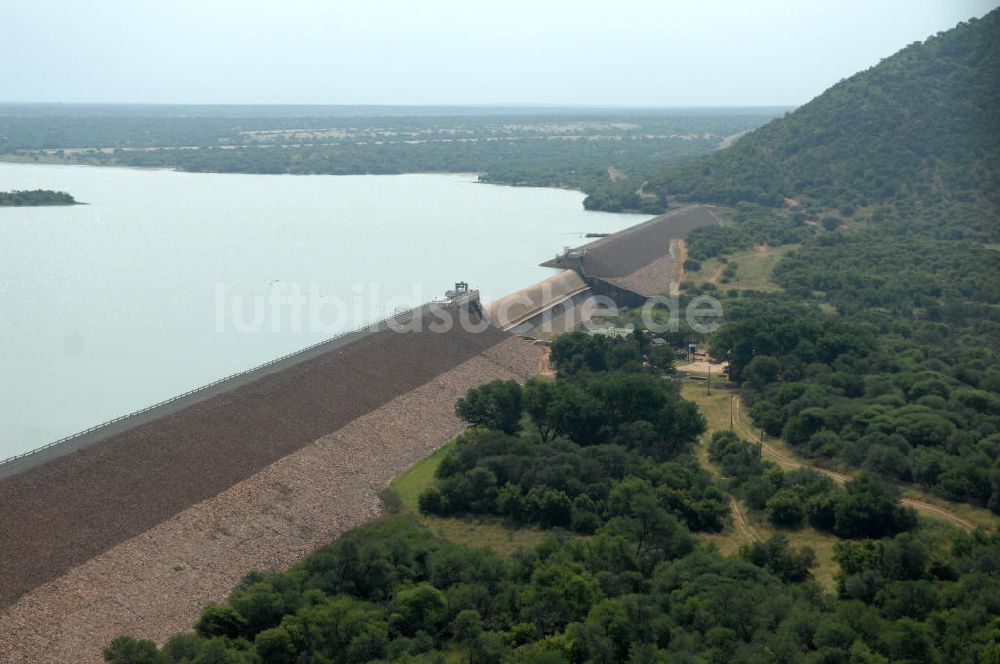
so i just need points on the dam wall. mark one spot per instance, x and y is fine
(620, 295)
(155, 584)
(637, 263)
(627, 268)
(66, 510)
(75, 442)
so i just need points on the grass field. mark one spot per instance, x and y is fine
(505, 540)
(753, 272)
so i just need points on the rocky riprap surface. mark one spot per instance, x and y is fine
(176, 548)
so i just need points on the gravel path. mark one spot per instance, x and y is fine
(788, 462)
(155, 584)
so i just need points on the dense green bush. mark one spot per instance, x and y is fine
(907, 397)
(596, 442)
(395, 591)
(864, 507)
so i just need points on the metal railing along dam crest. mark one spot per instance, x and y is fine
(6, 465)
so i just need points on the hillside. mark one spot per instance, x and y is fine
(922, 124)
(876, 345)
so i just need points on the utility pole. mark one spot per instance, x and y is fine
(708, 383)
(732, 402)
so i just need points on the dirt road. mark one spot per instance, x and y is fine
(789, 462)
(740, 523)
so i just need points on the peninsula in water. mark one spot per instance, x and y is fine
(35, 197)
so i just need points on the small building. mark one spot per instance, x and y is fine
(612, 332)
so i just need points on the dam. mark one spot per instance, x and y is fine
(627, 268)
(135, 526)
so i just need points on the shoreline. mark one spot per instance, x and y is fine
(45, 205)
(19, 455)
(5, 159)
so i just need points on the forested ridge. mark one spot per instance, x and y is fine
(881, 352)
(922, 124)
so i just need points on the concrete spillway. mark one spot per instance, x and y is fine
(519, 309)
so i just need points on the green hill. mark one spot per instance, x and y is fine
(882, 350)
(922, 124)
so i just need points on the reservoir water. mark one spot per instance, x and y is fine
(166, 281)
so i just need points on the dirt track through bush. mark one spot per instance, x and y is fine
(787, 462)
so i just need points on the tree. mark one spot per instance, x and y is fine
(579, 351)
(785, 508)
(537, 397)
(467, 626)
(420, 609)
(558, 594)
(576, 414)
(870, 508)
(656, 534)
(182, 647)
(126, 650)
(217, 651)
(219, 620)
(260, 605)
(496, 405)
(550, 507)
(762, 370)
(775, 555)
(275, 646)
(631, 397)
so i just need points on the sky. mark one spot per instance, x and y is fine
(435, 52)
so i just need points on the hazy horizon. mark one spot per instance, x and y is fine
(633, 54)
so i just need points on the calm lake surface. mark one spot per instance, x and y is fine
(155, 286)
